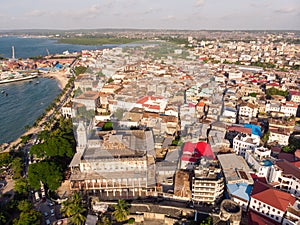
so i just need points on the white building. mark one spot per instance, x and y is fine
(272, 106)
(248, 110)
(259, 161)
(289, 108)
(207, 184)
(119, 166)
(279, 135)
(243, 142)
(292, 216)
(286, 176)
(270, 202)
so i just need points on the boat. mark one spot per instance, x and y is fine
(16, 78)
(37, 82)
(2, 92)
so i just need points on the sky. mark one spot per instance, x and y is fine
(151, 14)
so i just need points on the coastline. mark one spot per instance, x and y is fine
(60, 77)
(62, 81)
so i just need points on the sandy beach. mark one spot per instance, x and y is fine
(61, 77)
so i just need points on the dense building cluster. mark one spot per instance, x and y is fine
(191, 125)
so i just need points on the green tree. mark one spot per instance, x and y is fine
(5, 158)
(253, 94)
(121, 210)
(50, 173)
(207, 221)
(80, 70)
(31, 217)
(110, 80)
(104, 220)
(3, 218)
(25, 206)
(21, 186)
(265, 137)
(108, 126)
(73, 209)
(26, 138)
(17, 167)
(275, 91)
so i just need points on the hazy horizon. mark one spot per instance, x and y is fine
(142, 14)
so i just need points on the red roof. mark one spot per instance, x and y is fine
(194, 151)
(273, 84)
(296, 164)
(257, 219)
(145, 99)
(243, 130)
(273, 197)
(257, 178)
(295, 93)
(288, 168)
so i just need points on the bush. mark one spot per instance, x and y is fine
(131, 221)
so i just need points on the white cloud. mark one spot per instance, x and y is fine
(286, 10)
(35, 13)
(199, 3)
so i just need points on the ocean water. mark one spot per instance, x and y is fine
(24, 102)
(27, 100)
(28, 47)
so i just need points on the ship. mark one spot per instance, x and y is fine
(8, 77)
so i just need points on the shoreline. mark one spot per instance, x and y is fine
(62, 81)
(60, 77)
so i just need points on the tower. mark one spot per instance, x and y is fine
(13, 52)
(81, 137)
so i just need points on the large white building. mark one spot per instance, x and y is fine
(120, 165)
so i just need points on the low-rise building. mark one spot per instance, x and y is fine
(259, 160)
(243, 142)
(286, 176)
(279, 135)
(270, 202)
(289, 108)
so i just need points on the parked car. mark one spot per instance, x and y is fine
(52, 212)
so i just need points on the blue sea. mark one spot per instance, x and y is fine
(25, 100)
(29, 47)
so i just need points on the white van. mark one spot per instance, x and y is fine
(37, 197)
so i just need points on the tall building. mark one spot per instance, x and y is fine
(207, 183)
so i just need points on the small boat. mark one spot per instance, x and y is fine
(2, 92)
(37, 82)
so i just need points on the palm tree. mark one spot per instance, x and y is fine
(74, 210)
(121, 210)
(78, 218)
(104, 221)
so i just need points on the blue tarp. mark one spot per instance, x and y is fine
(58, 66)
(241, 190)
(256, 130)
